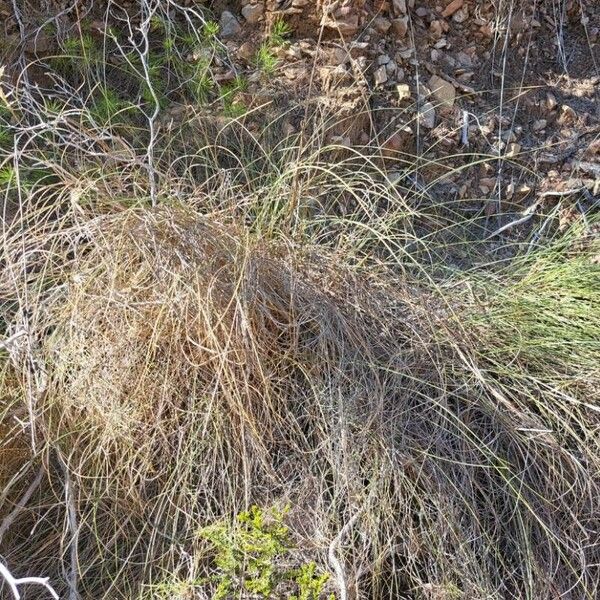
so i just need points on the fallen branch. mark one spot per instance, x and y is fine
(14, 584)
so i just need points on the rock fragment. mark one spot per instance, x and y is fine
(452, 8)
(403, 91)
(253, 13)
(229, 26)
(399, 7)
(380, 76)
(400, 27)
(442, 90)
(382, 25)
(427, 115)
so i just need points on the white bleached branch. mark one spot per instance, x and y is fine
(14, 583)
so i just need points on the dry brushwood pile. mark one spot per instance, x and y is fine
(300, 300)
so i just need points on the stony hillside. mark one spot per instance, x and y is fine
(454, 81)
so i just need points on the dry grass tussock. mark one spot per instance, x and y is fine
(192, 368)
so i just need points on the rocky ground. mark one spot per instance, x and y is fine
(461, 79)
(511, 91)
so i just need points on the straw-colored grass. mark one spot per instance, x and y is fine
(194, 368)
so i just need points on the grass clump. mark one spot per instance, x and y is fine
(210, 31)
(80, 55)
(552, 307)
(108, 108)
(266, 58)
(252, 363)
(279, 32)
(200, 83)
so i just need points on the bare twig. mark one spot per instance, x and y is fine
(523, 219)
(465, 129)
(538, 234)
(9, 340)
(144, 54)
(74, 531)
(557, 193)
(335, 564)
(8, 521)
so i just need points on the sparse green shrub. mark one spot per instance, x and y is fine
(53, 106)
(108, 107)
(210, 31)
(7, 176)
(250, 557)
(232, 107)
(201, 83)
(157, 84)
(266, 60)
(80, 53)
(310, 583)
(173, 588)
(5, 136)
(168, 45)
(245, 554)
(25, 179)
(157, 23)
(280, 30)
